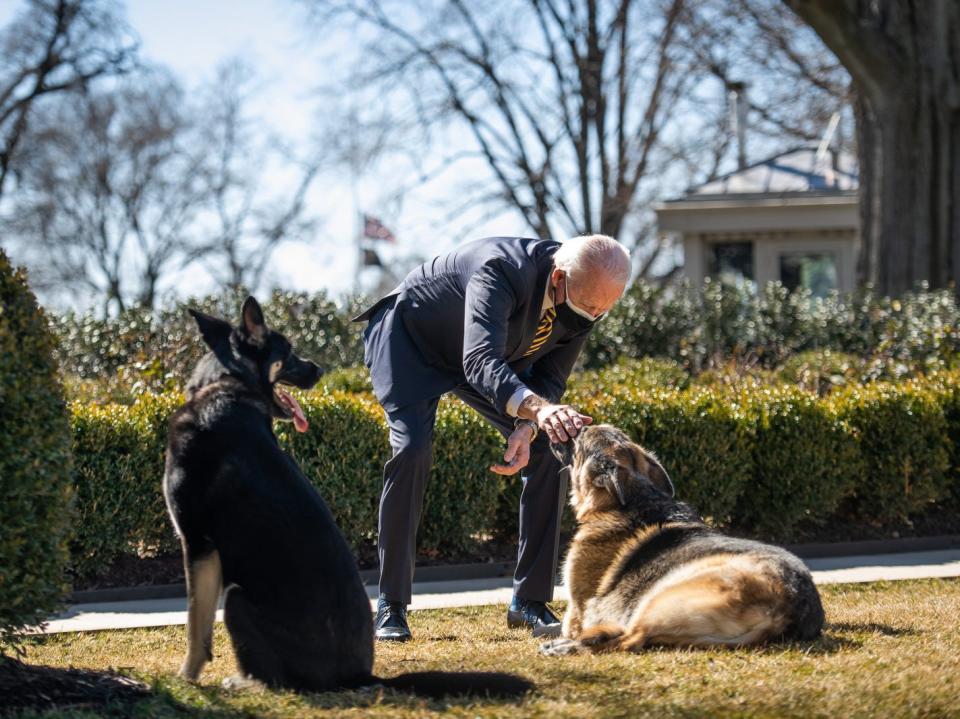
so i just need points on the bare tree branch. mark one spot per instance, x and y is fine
(52, 47)
(574, 105)
(109, 191)
(249, 226)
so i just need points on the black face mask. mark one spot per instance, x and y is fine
(569, 317)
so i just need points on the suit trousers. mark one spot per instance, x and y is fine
(404, 483)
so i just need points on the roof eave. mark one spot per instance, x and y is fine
(764, 199)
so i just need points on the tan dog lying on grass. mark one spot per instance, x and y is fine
(644, 569)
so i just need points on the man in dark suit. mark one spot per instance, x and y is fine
(499, 322)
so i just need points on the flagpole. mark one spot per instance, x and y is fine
(358, 235)
(355, 200)
(357, 231)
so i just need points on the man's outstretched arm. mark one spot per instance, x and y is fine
(490, 300)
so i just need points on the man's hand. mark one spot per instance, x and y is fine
(518, 452)
(561, 422)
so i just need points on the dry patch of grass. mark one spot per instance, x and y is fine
(890, 649)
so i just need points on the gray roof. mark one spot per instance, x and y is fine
(794, 171)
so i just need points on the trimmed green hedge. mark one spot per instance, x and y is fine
(698, 327)
(947, 387)
(461, 497)
(715, 323)
(645, 373)
(346, 472)
(118, 468)
(762, 459)
(805, 461)
(904, 443)
(34, 462)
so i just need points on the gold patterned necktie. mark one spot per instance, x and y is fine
(543, 331)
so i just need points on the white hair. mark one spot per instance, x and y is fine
(589, 254)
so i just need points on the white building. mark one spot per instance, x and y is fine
(792, 217)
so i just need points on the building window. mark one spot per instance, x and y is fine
(815, 271)
(731, 261)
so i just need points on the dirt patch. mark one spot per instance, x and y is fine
(24, 686)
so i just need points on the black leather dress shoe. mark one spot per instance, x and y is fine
(391, 622)
(533, 615)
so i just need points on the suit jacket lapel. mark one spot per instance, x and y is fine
(544, 266)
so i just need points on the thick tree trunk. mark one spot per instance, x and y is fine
(868, 147)
(904, 57)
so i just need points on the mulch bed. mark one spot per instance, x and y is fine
(937, 522)
(130, 571)
(23, 686)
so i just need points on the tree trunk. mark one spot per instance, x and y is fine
(904, 57)
(868, 147)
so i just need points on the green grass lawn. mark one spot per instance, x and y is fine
(889, 649)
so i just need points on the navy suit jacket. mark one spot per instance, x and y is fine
(468, 317)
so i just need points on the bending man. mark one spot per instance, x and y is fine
(499, 322)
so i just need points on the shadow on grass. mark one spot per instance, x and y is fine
(37, 688)
(841, 635)
(391, 697)
(829, 642)
(45, 692)
(217, 702)
(873, 628)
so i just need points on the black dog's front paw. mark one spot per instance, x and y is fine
(560, 648)
(241, 682)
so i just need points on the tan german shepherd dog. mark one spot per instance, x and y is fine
(644, 569)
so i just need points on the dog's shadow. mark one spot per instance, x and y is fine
(872, 628)
(838, 636)
(380, 696)
(217, 700)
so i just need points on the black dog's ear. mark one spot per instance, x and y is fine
(650, 469)
(253, 323)
(213, 329)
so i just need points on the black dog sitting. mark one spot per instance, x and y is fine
(252, 525)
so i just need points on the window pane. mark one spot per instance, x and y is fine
(731, 261)
(816, 272)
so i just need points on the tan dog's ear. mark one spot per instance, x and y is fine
(613, 479)
(650, 469)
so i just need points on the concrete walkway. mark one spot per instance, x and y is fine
(472, 592)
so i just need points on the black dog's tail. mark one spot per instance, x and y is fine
(437, 685)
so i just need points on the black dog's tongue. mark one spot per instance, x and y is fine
(300, 422)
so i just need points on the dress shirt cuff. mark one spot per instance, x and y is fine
(516, 399)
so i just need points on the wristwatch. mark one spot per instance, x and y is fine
(530, 423)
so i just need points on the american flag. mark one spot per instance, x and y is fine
(374, 229)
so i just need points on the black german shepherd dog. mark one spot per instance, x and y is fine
(251, 525)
